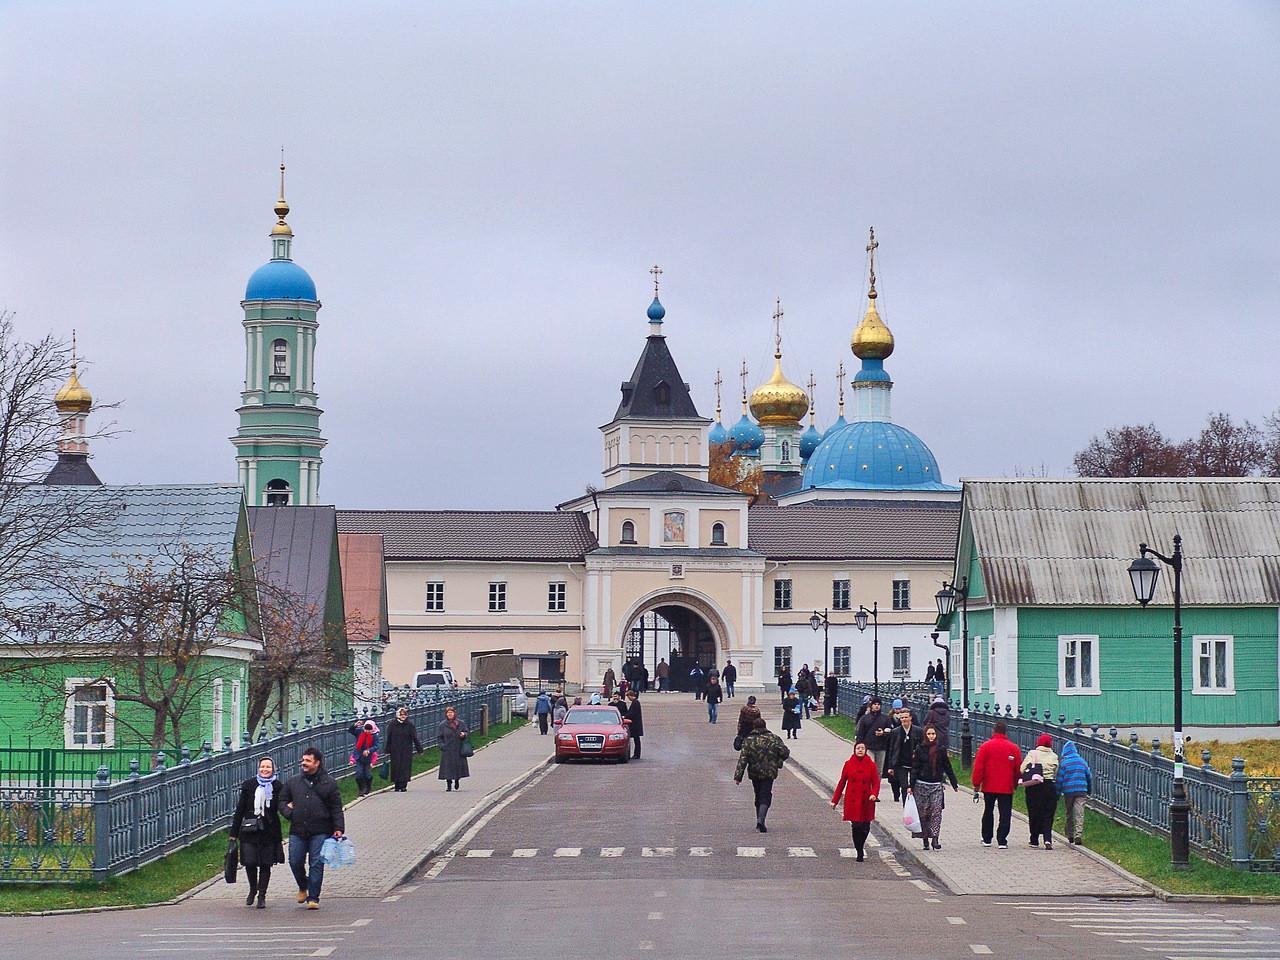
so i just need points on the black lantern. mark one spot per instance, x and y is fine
(860, 620)
(946, 600)
(1143, 575)
(815, 621)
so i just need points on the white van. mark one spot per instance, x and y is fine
(433, 678)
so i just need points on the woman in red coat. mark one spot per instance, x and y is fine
(860, 784)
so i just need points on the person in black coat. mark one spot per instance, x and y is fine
(900, 755)
(831, 695)
(791, 711)
(784, 683)
(730, 676)
(453, 765)
(402, 744)
(312, 803)
(256, 825)
(636, 715)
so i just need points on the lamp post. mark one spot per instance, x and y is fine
(860, 620)
(946, 600)
(822, 621)
(1143, 575)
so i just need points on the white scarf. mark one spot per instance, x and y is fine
(260, 801)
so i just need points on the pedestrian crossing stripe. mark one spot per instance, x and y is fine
(481, 854)
(800, 852)
(657, 851)
(568, 852)
(751, 851)
(527, 853)
(611, 851)
(700, 851)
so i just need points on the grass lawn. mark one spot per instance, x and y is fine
(1140, 853)
(179, 872)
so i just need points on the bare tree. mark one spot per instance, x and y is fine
(1225, 449)
(1131, 451)
(1271, 442)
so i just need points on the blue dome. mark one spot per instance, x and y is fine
(747, 437)
(280, 280)
(873, 455)
(656, 311)
(718, 433)
(809, 441)
(840, 422)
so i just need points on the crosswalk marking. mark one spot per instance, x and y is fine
(956, 921)
(699, 851)
(525, 852)
(980, 948)
(480, 854)
(800, 852)
(655, 915)
(843, 853)
(611, 851)
(568, 852)
(657, 851)
(751, 851)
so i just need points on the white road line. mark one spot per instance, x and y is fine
(568, 852)
(524, 852)
(980, 948)
(323, 952)
(800, 852)
(655, 915)
(611, 851)
(644, 945)
(872, 841)
(932, 900)
(922, 885)
(362, 922)
(478, 854)
(391, 899)
(751, 851)
(956, 921)
(657, 851)
(848, 853)
(700, 851)
(260, 937)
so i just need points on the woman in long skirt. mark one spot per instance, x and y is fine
(929, 769)
(453, 765)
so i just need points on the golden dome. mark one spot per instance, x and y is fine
(73, 397)
(281, 209)
(779, 402)
(872, 340)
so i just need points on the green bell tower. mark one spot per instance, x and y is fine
(278, 444)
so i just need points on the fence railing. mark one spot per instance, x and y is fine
(1235, 818)
(69, 831)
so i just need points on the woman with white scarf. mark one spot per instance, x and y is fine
(256, 825)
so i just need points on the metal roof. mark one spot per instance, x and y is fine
(641, 396)
(293, 550)
(364, 584)
(871, 530)
(1070, 542)
(548, 535)
(670, 482)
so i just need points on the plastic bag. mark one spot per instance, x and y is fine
(338, 853)
(911, 814)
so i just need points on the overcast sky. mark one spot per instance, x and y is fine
(1077, 208)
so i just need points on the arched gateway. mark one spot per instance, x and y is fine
(682, 627)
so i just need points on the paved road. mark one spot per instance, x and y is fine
(504, 891)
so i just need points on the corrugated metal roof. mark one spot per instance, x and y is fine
(1070, 542)
(876, 530)
(549, 535)
(364, 584)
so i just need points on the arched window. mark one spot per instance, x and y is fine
(628, 532)
(786, 452)
(662, 393)
(717, 535)
(278, 493)
(280, 359)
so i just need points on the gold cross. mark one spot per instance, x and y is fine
(871, 253)
(743, 374)
(657, 272)
(719, 380)
(777, 328)
(840, 380)
(812, 383)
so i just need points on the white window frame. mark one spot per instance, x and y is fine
(783, 593)
(69, 716)
(955, 664)
(432, 659)
(497, 596)
(628, 526)
(1213, 638)
(906, 589)
(991, 663)
(217, 714)
(718, 527)
(977, 666)
(557, 594)
(1064, 642)
(436, 587)
(905, 671)
(777, 659)
(839, 602)
(235, 713)
(837, 653)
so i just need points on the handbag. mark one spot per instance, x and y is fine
(466, 749)
(231, 862)
(737, 742)
(252, 825)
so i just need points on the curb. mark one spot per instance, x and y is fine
(442, 842)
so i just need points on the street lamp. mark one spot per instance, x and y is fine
(860, 621)
(1144, 573)
(817, 621)
(946, 600)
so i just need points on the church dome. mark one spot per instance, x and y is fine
(809, 441)
(872, 340)
(871, 455)
(778, 401)
(718, 434)
(746, 436)
(280, 280)
(656, 311)
(74, 397)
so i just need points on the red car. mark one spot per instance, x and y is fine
(593, 732)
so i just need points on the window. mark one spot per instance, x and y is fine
(497, 596)
(781, 660)
(782, 595)
(902, 594)
(217, 714)
(786, 452)
(991, 663)
(435, 596)
(628, 532)
(662, 393)
(433, 660)
(977, 664)
(1078, 665)
(957, 665)
(673, 527)
(235, 712)
(841, 658)
(1215, 666)
(901, 663)
(555, 597)
(840, 594)
(278, 494)
(717, 535)
(89, 721)
(280, 359)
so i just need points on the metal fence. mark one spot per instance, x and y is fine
(68, 831)
(1235, 818)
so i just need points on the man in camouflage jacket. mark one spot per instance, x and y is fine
(761, 759)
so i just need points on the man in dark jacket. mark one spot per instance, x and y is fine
(784, 683)
(831, 695)
(873, 730)
(636, 715)
(699, 681)
(729, 677)
(900, 753)
(747, 718)
(761, 759)
(313, 806)
(940, 716)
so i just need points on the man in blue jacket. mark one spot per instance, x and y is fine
(1075, 780)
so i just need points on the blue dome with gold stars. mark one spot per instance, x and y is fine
(873, 455)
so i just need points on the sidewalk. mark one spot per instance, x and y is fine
(395, 832)
(963, 864)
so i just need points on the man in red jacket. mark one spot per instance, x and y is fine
(995, 774)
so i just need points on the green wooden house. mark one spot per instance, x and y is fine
(57, 689)
(1051, 616)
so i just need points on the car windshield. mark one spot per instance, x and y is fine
(604, 715)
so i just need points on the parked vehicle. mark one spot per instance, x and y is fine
(514, 692)
(593, 732)
(434, 678)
